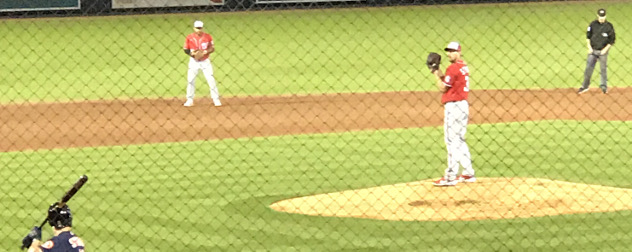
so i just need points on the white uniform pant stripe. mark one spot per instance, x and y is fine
(207, 69)
(455, 127)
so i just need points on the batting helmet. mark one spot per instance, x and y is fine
(59, 217)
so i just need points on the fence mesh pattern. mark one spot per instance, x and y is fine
(330, 131)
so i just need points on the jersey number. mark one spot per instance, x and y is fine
(467, 84)
(466, 70)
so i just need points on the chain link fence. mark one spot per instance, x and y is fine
(330, 131)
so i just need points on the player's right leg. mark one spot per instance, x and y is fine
(590, 68)
(191, 76)
(450, 174)
(450, 135)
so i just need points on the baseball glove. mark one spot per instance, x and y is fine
(433, 61)
(198, 54)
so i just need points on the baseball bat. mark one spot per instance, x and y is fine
(68, 195)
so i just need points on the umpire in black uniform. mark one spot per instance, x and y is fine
(600, 37)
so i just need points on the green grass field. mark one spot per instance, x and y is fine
(509, 46)
(214, 195)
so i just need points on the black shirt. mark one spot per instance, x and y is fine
(600, 34)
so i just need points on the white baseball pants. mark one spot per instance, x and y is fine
(454, 128)
(207, 69)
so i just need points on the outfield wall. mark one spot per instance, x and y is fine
(15, 9)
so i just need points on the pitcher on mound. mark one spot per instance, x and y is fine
(455, 86)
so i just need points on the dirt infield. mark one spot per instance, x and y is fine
(125, 122)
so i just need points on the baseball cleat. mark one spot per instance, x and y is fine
(217, 103)
(188, 103)
(604, 89)
(467, 178)
(582, 90)
(445, 182)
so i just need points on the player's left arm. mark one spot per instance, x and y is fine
(611, 39)
(605, 49)
(211, 48)
(588, 36)
(613, 36)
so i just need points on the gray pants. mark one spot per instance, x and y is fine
(590, 67)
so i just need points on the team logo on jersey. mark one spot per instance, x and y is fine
(76, 242)
(204, 45)
(48, 245)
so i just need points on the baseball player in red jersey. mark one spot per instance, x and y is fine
(455, 85)
(199, 45)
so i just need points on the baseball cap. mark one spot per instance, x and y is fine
(601, 12)
(198, 24)
(453, 46)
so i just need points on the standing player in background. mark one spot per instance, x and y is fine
(60, 218)
(199, 45)
(600, 37)
(455, 86)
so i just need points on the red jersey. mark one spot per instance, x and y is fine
(195, 42)
(457, 79)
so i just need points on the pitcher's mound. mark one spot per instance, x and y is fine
(488, 198)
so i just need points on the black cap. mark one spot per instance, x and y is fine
(601, 12)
